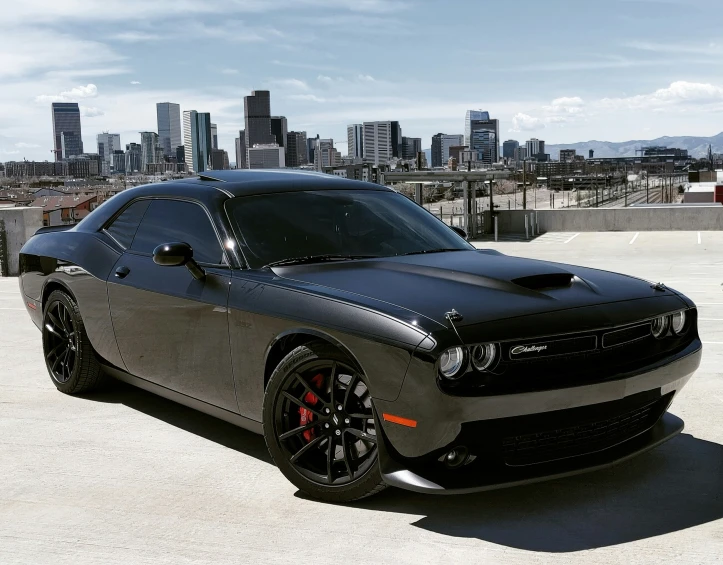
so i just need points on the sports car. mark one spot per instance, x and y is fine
(370, 343)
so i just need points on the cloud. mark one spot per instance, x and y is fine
(525, 122)
(23, 145)
(325, 79)
(72, 95)
(290, 83)
(135, 37)
(229, 71)
(135, 82)
(678, 93)
(366, 78)
(308, 97)
(91, 112)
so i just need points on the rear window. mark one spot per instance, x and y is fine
(124, 227)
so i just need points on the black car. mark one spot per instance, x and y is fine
(367, 341)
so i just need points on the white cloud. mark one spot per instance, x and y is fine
(135, 82)
(23, 145)
(525, 122)
(135, 37)
(290, 83)
(72, 95)
(678, 93)
(91, 112)
(229, 71)
(325, 79)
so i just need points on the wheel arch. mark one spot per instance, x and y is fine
(52, 285)
(290, 339)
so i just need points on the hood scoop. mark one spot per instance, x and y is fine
(548, 281)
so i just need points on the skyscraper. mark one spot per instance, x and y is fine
(71, 145)
(535, 148)
(410, 147)
(355, 139)
(323, 153)
(257, 118)
(266, 156)
(382, 142)
(108, 143)
(310, 145)
(168, 116)
(66, 118)
(279, 129)
(241, 150)
(486, 144)
(296, 149)
(214, 136)
(197, 140)
(149, 144)
(509, 148)
(133, 158)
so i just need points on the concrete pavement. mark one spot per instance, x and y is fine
(127, 477)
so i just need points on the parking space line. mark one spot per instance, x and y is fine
(573, 237)
(710, 319)
(712, 342)
(698, 238)
(634, 238)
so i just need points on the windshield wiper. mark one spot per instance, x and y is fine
(317, 259)
(440, 250)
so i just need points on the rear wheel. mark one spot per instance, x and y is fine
(69, 356)
(319, 425)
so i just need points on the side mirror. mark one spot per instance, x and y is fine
(460, 231)
(175, 255)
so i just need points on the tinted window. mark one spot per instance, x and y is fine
(124, 226)
(168, 221)
(347, 222)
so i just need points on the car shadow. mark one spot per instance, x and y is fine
(677, 486)
(180, 416)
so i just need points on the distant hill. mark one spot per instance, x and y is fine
(696, 146)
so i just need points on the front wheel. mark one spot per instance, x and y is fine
(319, 425)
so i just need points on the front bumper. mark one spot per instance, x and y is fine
(410, 457)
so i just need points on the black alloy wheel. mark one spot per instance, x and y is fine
(319, 425)
(69, 356)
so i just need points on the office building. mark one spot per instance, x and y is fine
(535, 148)
(180, 154)
(219, 160)
(71, 145)
(509, 147)
(119, 161)
(197, 141)
(567, 155)
(149, 145)
(324, 155)
(279, 129)
(257, 119)
(355, 141)
(108, 144)
(441, 142)
(168, 116)
(481, 134)
(382, 142)
(266, 156)
(410, 147)
(66, 118)
(214, 136)
(240, 143)
(310, 145)
(296, 149)
(133, 158)
(520, 153)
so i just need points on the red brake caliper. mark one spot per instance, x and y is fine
(306, 416)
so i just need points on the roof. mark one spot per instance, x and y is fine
(50, 203)
(246, 182)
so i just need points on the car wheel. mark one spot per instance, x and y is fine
(319, 424)
(69, 356)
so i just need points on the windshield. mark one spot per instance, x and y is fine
(355, 223)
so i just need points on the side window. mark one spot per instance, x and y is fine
(124, 227)
(171, 220)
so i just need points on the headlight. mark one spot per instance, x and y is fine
(677, 322)
(451, 362)
(483, 356)
(660, 326)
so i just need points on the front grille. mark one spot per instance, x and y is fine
(627, 335)
(561, 443)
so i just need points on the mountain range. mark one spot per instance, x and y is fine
(697, 146)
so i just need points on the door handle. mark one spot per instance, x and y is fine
(122, 272)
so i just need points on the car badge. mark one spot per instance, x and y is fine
(527, 349)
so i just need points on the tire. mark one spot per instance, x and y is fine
(69, 356)
(331, 455)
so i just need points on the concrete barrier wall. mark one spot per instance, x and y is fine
(17, 225)
(683, 218)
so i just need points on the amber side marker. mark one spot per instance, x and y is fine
(399, 420)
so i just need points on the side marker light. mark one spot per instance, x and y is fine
(399, 420)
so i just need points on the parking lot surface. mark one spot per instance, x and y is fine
(124, 476)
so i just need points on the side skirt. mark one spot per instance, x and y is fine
(210, 409)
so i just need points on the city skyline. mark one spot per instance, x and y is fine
(535, 83)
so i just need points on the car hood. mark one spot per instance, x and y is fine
(481, 286)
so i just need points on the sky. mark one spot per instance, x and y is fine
(560, 70)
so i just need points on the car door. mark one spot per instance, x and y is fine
(171, 328)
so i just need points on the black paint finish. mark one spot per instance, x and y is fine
(212, 341)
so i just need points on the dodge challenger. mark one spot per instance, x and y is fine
(368, 342)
